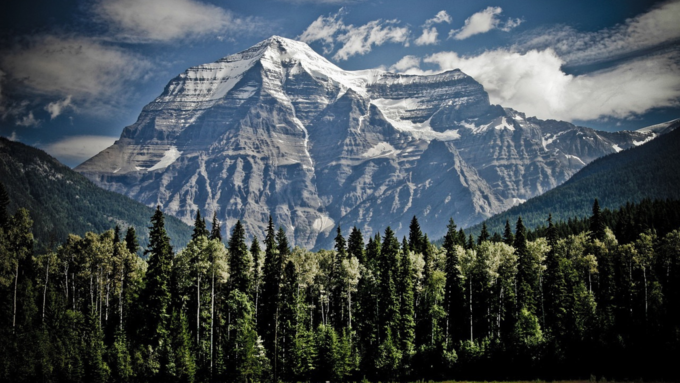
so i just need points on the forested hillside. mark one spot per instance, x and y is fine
(62, 201)
(648, 171)
(569, 306)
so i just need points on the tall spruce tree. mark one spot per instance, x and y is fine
(355, 245)
(453, 296)
(240, 262)
(415, 236)
(216, 229)
(508, 237)
(389, 272)
(4, 204)
(131, 240)
(527, 276)
(484, 235)
(156, 297)
(405, 290)
(597, 226)
(199, 226)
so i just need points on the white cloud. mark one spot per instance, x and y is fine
(89, 71)
(482, 22)
(406, 63)
(354, 40)
(428, 37)
(167, 20)
(657, 27)
(55, 108)
(28, 120)
(533, 82)
(77, 149)
(440, 17)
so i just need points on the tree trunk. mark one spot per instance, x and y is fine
(500, 308)
(212, 317)
(120, 297)
(471, 338)
(198, 306)
(47, 278)
(644, 274)
(16, 279)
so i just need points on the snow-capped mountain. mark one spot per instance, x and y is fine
(278, 129)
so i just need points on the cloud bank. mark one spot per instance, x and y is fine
(167, 20)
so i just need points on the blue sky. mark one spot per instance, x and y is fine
(74, 73)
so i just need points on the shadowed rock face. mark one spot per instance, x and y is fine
(279, 130)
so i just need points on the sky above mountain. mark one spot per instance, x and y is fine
(74, 73)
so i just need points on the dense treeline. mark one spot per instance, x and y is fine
(494, 307)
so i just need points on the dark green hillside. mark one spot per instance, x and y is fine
(62, 201)
(648, 171)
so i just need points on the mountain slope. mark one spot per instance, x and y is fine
(649, 171)
(278, 129)
(62, 201)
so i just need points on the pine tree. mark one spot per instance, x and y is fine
(484, 235)
(131, 240)
(406, 292)
(240, 261)
(508, 237)
(216, 229)
(156, 295)
(255, 253)
(389, 299)
(355, 245)
(556, 288)
(415, 236)
(4, 204)
(597, 227)
(453, 299)
(199, 226)
(527, 277)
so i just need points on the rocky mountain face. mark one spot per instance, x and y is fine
(277, 129)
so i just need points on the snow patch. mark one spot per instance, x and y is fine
(171, 155)
(617, 148)
(575, 158)
(322, 223)
(396, 112)
(379, 150)
(646, 140)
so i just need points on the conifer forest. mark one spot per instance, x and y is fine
(603, 302)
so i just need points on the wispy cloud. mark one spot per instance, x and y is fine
(657, 27)
(57, 107)
(167, 20)
(75, 69)
(74, 150)
(482, 22)
(430, 33)
(353, 40)
(28, 120)
(533, 82)
(406, 63)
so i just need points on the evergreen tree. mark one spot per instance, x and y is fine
(597, 227)
(508, 238)
(355, 245)
(453, 300)
(270, 287)
(527, 277)
(4, 204)
(255, 252)
(484, 235)
(199, 226)
(240, 261)
(406, 316)
(389, 271)
(415, 236)
(216, 230)
(156, 295)
(131, 240)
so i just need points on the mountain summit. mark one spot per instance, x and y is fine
(279, 130)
